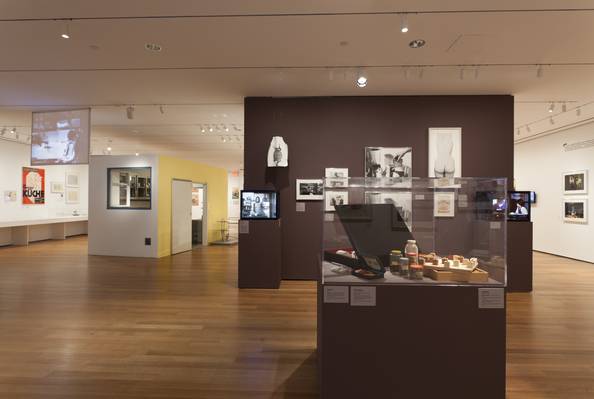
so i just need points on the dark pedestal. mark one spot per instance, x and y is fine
(519, 256)
(421, 342)
(260, 253)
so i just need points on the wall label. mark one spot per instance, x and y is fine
(336, 294)
(244, 227)
(300, 206)
(491, 298)
(363, 296)
(419, 197)
(328, 217)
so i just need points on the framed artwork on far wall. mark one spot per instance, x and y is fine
(575, 210)
(72, 179)
(57, 187)
(333, 198)
(310, 189)
(72, 195)
(444, 204)
(388, 162)
(575, 182)
(337, 177)
(445, 152)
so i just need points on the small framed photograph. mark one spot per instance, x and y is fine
(310, 190)
(444, 204)
(72, 179)
(337, 177)
(334, 198)
(575, 210)
(575, 182)
(72, 195)
(57, 187)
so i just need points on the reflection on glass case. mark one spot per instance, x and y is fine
(129, 188)
(444, 231)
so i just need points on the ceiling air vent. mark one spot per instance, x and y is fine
(579, 145)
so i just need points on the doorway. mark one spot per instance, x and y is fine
(199, 214)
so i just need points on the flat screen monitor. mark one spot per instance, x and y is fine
(60, 137)
(518, 208)
(261, 204)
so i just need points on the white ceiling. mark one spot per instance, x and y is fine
(209, 64)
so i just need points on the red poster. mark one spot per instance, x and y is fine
(33, 186)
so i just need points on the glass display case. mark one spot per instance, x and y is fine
(444, 231)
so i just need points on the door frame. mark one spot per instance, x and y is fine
(171, 216)
(204, 212)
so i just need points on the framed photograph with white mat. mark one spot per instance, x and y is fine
(575, 182)
(444, 204)
(72, 179)
(310, 189)
(72, 195)
(57, 187)
(575, 210)
(445, 152)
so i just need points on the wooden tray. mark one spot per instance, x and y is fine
(438, 275)
(476, 276)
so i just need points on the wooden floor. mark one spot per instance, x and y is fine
(73, 326)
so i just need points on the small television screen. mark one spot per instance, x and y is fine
(259, 205)
(518, 206)
(60, 137)
(490, 205)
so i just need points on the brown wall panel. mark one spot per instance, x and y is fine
(333, 131)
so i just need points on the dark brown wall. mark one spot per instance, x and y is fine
(333, 131)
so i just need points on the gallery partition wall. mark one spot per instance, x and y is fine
(324, 132)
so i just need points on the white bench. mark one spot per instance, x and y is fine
(22, 232)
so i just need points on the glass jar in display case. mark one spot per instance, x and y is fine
(453, 228)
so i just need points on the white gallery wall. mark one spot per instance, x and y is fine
(121, 232)
(539, 166)
(234, 182)
(13, 157)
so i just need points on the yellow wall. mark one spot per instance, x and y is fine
(216, 181)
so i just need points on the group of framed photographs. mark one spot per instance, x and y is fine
(328, 191)
(575, 209)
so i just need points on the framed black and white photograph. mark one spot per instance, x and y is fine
(444, 204)
(337, 177)
(310, 190)
(334, 198)
(445, 152)
(57, 187)
(575, 210)
(575, 182)
(388, 162)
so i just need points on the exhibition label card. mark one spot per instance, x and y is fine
(362, 296)
(419, 197)
(300, 206)
(495, 225)
(328, 217)
(244, 227)
(491, 298)
(336, 294)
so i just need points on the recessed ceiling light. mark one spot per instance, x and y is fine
(154, 47)
(417, 43)
(344, 43)
(94, 47)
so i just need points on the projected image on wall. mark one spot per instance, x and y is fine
(60, 137)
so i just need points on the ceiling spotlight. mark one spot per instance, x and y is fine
(552, 120)
(226, 128)
(210, 129)
(136, 154)
(108, 149)
(162, 109)
(476, 73)
(13, 130)
(330, 75)
(65, 31)
(3, 131)
(406, 72)
(421, 73)
(564, 107)
(528, 128)
(237, 138)
(539, 71)
(551, 108)
(224, 139)
(361, 79)
(403, 23)
(130, 112)
(518, 131)
(578, 111)
(461, 73)
(202, 129)
(417, 43)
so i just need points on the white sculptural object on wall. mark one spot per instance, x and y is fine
(278, 153)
